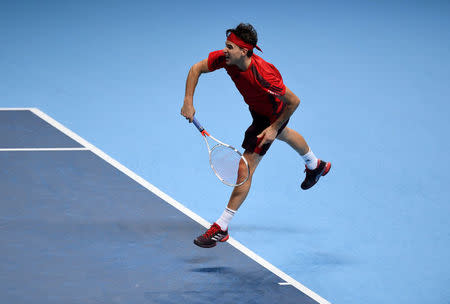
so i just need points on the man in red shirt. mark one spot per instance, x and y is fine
(271, 104)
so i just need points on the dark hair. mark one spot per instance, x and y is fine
(247, 33)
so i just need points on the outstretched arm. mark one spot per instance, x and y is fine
(196, 70)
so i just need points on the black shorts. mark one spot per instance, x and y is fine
(259, 124)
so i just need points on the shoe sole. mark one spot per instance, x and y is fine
(203, 245)
(211, 245)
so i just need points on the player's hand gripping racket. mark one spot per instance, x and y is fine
(225, 160)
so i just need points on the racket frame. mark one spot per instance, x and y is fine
(219, 143)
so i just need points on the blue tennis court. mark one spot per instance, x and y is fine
(77, 227)
(81, 225)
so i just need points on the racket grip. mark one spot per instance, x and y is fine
(198, 125)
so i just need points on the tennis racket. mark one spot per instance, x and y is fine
(225, 160)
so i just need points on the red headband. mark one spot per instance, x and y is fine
(240, 43)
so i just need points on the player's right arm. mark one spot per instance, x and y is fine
(196, 70)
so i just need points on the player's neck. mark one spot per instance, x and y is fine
(244, 63)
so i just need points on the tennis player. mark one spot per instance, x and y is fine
(271, 104)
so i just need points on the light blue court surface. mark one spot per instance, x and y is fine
(373, 79)
(75, 229)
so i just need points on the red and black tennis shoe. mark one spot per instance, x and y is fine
(312, 176)
(211, 237)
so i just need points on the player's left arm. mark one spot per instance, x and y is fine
(291, 102)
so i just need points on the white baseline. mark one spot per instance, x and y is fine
(42, 149)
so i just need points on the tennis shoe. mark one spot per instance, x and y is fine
(313, 176)
(213, 235)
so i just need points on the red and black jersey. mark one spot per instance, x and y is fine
(260, 85)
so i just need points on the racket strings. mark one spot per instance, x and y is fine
(225, 163)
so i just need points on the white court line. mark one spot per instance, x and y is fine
(286, 278)
(15, 109)
(41, 149)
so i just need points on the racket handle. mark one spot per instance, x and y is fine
(198, 125)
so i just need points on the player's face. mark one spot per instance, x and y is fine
(233, 53)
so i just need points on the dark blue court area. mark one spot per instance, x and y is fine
(75, 229)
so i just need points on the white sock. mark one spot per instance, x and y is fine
(310, 160)
(225, 218)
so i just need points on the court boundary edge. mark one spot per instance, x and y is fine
(171, 201)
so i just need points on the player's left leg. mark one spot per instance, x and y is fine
(315, 168)
(295, 140)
